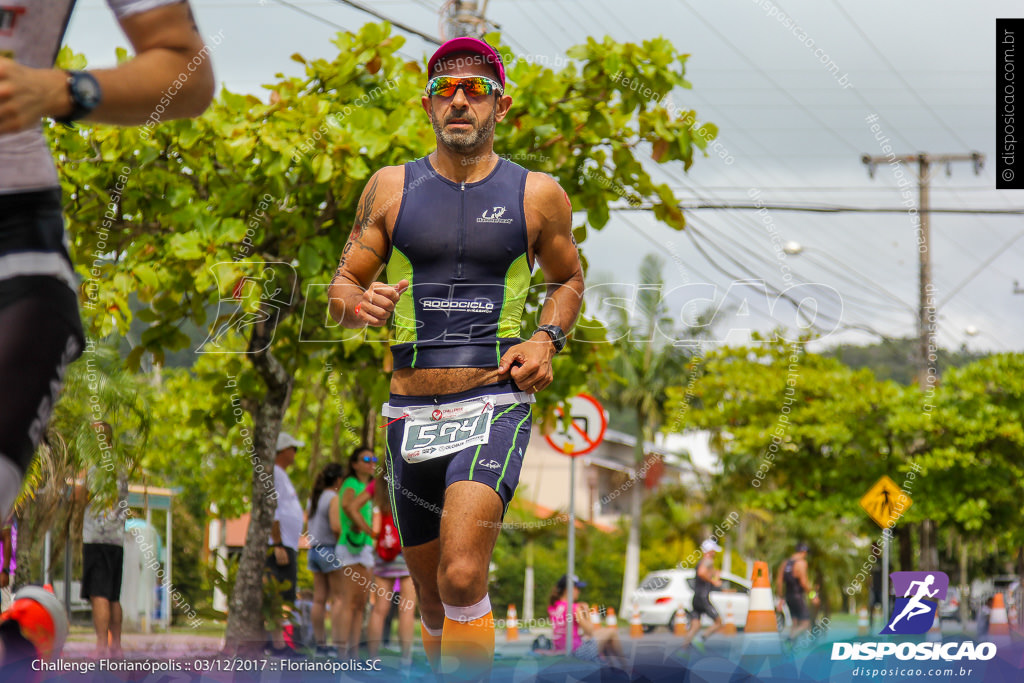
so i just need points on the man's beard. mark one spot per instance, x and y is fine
(460, 142)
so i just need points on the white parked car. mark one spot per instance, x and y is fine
(661, 593)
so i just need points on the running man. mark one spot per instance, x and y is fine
(791, 582)
(914, 606)
(707, 579)
(40, 330)
(459, 232)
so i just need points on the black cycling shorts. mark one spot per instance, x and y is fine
(798, 607)
(40, 329)
(417, 491)
(702, 605)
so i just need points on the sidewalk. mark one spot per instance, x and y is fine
(81, 644)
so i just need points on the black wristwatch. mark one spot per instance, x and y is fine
(86, 95)
(556, 334)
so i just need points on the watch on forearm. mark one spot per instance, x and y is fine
(85, 93)
(556, 334)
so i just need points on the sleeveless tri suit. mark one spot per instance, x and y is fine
(463, 249)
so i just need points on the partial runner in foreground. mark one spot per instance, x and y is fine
(40, 329)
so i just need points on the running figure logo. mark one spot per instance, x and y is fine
(917, 598)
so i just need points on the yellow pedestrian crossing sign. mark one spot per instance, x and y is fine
(885, 502)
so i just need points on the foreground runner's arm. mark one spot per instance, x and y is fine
(166, 42)
(354, 299)
(547, 208)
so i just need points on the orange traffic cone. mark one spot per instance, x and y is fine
(610, 618)
(595, 616)
(862, 622)
(729, 624)
(935, 632)
(512, 624)
(761, 615)
(761, 634)
(636, 627)
(998, 625)
(679, 625)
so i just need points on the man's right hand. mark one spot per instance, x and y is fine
(281, 555)
(378, 302)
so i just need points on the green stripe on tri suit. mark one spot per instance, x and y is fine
(477, 454)
(391, 490)
(515, 437)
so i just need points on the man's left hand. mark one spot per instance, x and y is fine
(529, 363)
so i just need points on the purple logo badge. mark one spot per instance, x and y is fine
(917, 599)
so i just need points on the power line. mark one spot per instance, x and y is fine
(997, 253)
(405, 27)
(311, 15)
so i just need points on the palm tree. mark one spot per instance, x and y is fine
(652, 354)
(96, 387)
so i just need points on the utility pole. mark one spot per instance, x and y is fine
(926, 357)
(464, 18)
(926, 315)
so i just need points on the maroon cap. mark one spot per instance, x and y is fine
(466, 44)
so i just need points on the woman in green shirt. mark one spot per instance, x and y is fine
(355, 546)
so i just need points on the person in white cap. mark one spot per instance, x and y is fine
(287, 527)
(707, 578)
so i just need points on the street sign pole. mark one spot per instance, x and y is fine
(880, 502)
(576, 441)
(886, 534)
(570, 584)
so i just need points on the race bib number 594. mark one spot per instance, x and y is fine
(435, 431)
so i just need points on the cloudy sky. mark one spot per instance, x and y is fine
(789, 129)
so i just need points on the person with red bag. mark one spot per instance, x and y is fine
(392, 582)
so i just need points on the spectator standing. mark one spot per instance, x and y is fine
(392, 582)
(282, 560)
(355, 546)
(324, 562)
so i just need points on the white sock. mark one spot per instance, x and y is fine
(470, 613)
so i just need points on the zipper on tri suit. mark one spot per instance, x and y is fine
(460, 249)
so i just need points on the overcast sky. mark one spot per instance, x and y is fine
(794, 131)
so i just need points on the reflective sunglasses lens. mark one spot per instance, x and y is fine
(442, 86)
(476, 86)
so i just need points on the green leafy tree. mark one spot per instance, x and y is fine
(246, 209)
(800, 438)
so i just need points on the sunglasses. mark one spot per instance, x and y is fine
(473, 86)
(369, 458)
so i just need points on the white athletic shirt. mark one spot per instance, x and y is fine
(31, 32)
(289, 510)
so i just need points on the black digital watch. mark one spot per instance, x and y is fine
(556, 334)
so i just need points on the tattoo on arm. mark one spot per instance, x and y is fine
(364, 217)
(356, 242)
(364, 213)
